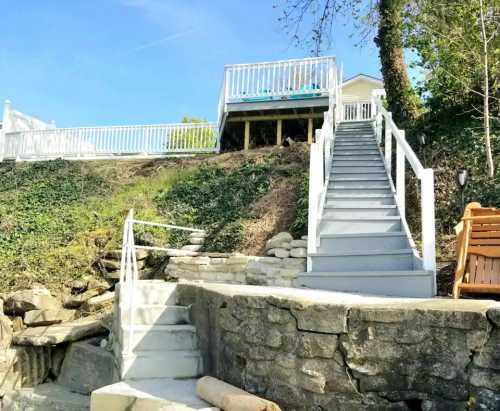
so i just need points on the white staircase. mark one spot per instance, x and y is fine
(155, 338)
(358, 238)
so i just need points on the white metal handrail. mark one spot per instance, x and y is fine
(101, 142)
(358, 110)
(310, 77)
(425, 175)
(129, 273)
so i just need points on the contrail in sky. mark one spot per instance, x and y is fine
(159, 42)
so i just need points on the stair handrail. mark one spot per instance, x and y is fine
(320, 162)
(425, 175)
(129, 273)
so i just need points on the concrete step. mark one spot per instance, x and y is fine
(358, 169)
(162, 364)
(359, 183)
(363, 260)
(353, 212)
(419, 284)
(355, 157)
(354, 151)
(156, 292)
(360, 225)
(160, 337)
(356, 144)
(358, 190)
(157, 314)
(372, 241)
(349, 201)
(150, 394)
(347, 162)
(336, 175)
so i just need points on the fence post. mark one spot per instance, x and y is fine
(388, 142)
(400, 175)
(428, 222)
(7, 126)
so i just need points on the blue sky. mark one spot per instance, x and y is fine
(104, 62)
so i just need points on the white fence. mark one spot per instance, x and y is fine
(302, 78)
(103, 142)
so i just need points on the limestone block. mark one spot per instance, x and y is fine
(75, 301)
(197, 240)
(298, 244)
(99, 302)
(36, 318)
(192, 247)
(87, 367)
(35, 299)
(323, 318)
(298, 252)
(279, 252)
(181, 253)
(117, 254)
(198, 234)
(59, 333)
(9, 376)
(494, 316)
(46, 397)
(276, 315)
(256, 279)
(238, 260)
(281, 240)
(32, 365)
(316, 345)
(5, 332)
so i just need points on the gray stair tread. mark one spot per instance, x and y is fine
(376, 273)
(363, 252)
(162, 327)
(374, 218)
(354, 196)
(360, 178)
(365, 235)
(362, 207)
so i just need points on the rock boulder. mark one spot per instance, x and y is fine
(20, 302)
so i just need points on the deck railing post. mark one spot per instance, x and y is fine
(428, 221)
(400, 176)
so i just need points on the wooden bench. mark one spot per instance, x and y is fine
(478, 251)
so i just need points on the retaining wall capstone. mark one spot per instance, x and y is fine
(312, 350)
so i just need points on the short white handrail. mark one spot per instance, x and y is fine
(425, 175)
(357, 110)
(129, 273)
(299, 77)
(99, 142)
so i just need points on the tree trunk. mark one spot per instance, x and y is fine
(402, 100)
(486, 91)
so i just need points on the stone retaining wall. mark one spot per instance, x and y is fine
(311, 350)
(237, 269)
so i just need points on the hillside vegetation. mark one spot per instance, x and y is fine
(57, 217)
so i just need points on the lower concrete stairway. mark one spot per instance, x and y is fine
(158, 358)
(364, 243)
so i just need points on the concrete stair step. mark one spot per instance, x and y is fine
(343, 175)
(349, 202)
(355, 157)
(356, 144)
(347, 242)
(340, 151)
(162, 364)
(156, 292)
(360, 225)
(152, 394)
(346, 162)
(406, 283)
(359, 184)
(160, 337)
(157, 314)
(358, 190)
(352, 212)
(363, 260)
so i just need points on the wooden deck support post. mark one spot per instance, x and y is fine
(279, 130)
(310, 130)
(246, 144)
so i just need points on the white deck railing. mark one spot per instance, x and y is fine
(301, 78)
(129, 273)
(383, 120)
(108, 142)
(358, 110)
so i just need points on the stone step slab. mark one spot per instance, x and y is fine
(153, 314)
(160, 337)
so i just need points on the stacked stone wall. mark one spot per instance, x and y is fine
(309, 350)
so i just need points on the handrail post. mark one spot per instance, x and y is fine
(388, 142)
(313, 206)
(428, 222)
(400, 176)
